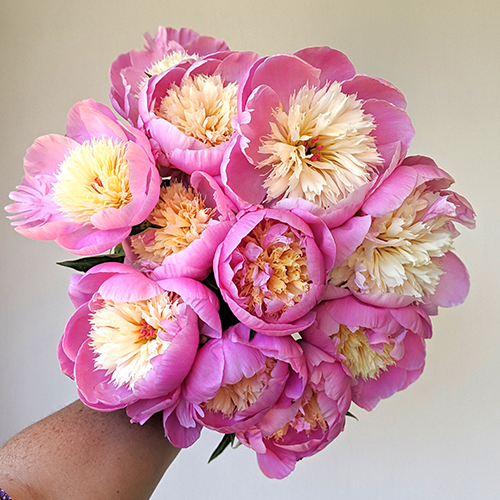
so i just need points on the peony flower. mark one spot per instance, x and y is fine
(87, 189)
(131, 71)
(310, 128)
(187, 110)
(382, 348)
(132, 339)
(235, 380)
(194, 217)
(271, 269)
(285, 435)
(406, 254)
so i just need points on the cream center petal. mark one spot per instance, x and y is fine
(93, 177)
(124, 336)
(239, 396)
(321, 149)
(182, 216)
(164, 64)
(201, 107)
(360, 358)
(399, 254)
(276, 278)
(309, 418)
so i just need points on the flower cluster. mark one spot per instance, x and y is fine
(274, 253)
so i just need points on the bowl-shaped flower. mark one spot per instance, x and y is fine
(383, 348)
(133, 339)
(187, 111)
(272, 267)
(406, 253)
(86, 190)
(130, 72)
(311, 128)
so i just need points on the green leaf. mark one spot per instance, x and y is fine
(349, 414)
(253, 333)
(227, 440)
(83, 265)
(144, 226)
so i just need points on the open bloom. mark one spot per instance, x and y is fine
(193, 219)
(188, 109)
(310, 128)
(130, 72)
(131, 338)
(235, 380)
(288, 434)
(406, 255)
(271, 269)
(383, 348)
(86, 189)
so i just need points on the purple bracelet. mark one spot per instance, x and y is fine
(3, 495)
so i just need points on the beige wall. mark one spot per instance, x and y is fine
(440, 439)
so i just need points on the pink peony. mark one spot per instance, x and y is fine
(382, 348)
(310, 128)
(132, 339)
(235, 380)
(406, 253)
(194, 217)
(271, 269)
(285, 435)
(130, 71)
(86, 189)
(187, 110)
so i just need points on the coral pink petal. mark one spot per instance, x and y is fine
(393, 126)
(454, 284)
(129, 287)
(366, 87)
(274, 467)
(392, 192)
(334, 65)
(90, 241)
(47, 153)
(349, 236)
(286, 74)
(241, 176)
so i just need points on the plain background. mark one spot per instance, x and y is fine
(439, 439)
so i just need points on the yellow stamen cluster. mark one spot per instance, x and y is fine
(285, 262)
(399, 254)
(239, 396)
(202, 107)
(93, 177)
(182, 215)
(321, 148)
(125, 336)
(361, 359)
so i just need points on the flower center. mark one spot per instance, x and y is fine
(182, 215)
(399, 254)
(321, 149)
(360, 358)
(239, 396)
(309, 418)
(125, 336)
(202, 107)
(273, 276)
(93, 177)
(167, 62)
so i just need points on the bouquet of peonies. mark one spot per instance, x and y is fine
(259, 250)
